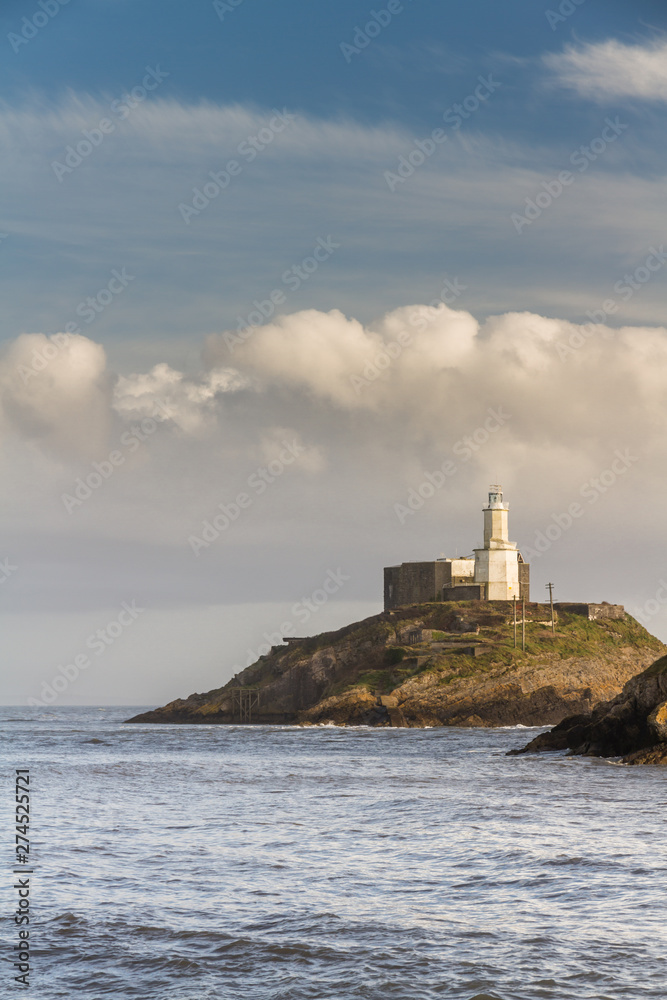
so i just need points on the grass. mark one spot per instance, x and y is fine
(386, 680)
(393, 655)
(575, 637)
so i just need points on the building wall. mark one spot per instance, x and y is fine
(415, 582)
(392, 576)
(462, 571)
(496, 573)
(461, 567)
(496, 527)
(593, 611)
(422, 582)
(498, 569)
(457, 572)
(451, 580)
(467, 592)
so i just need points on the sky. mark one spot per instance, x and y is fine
(285, 287)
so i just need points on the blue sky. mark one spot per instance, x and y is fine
(268, 53)
(119, 206)
(480, 178)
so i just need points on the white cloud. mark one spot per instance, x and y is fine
(612, 69)
(337, 358)
(56, 392)
(171, 395)
(427, 373)
(565, 414)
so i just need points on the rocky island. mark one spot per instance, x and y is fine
(448, 651)
(444, 663)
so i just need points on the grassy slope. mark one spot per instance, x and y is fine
(366, 652)
(575, 637)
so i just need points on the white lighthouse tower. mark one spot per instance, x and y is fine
(497, 563)
(496, 572)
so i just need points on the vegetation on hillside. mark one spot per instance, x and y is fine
(385, 663)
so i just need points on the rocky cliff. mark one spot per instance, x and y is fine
(632, 726)
(445, 664)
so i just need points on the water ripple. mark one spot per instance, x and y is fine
(261, 863)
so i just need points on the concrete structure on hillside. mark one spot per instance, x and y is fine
(495, 572)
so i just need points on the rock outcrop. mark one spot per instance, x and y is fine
(632, 726)
(414, 666)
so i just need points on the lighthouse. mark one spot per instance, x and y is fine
(497, 563)
(494, 572)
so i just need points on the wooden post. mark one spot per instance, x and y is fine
(550, 587)
(523, 624)
(244, 699)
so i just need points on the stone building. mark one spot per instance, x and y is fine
(495, 572)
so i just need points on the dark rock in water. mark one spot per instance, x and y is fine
(653, 755)
(568, 733)
(632, 726)
(95, 740)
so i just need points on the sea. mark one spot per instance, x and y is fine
(325, 863)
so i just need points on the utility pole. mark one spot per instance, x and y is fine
(523, 624)
(515, 600)
(550, 588)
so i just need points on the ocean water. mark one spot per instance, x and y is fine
(262, 863)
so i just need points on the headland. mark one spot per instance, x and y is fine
(436, 664)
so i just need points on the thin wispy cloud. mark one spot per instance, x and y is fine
(202, 274)
(611, 69)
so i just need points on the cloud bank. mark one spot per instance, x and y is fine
(335, 431)
(392, 397)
